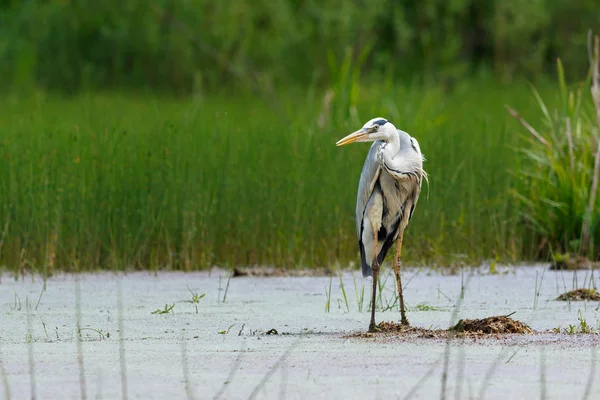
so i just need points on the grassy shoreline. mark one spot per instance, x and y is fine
(115, 181)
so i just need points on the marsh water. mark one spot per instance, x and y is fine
(203, 335)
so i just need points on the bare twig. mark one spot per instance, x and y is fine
(491, 371)
(590, 381)
(40, 298)
(99, 386)
(452, 334)
(585, 234)
(232, 371)
(122, 358)
(4, 380)
(530, 128)
(4, 375)
(80, 363)
(424, 378)
(460, 373)
(32, 379)
(282, 386)
(227, 286)
(186, 372)
(596, 77)
(543, 373)
(595, 89)
(280, 361)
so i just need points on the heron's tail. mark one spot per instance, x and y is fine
(366, 268)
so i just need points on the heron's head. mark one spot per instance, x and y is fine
(376, 129)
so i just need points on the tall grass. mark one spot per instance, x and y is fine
(121, 181)
(558, 182)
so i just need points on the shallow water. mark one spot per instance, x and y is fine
(225, 342)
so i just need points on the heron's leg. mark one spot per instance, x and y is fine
(403, 319)
(375, 268)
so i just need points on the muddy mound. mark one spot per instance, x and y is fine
(476, 328)
(385, 328)
(393, 327)
(580, 295)
(279, 272)
(491, 325)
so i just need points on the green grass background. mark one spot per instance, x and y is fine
(136, 181)
(182, 135)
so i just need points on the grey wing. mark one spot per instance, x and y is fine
(415, 197)
(368, 178)
(421, 173)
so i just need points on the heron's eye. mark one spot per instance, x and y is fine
(375, 127)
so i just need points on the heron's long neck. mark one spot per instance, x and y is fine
(389, 149)
(400, 167)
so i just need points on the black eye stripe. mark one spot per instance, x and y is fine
(380, 122)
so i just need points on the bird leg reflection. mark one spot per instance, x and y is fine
(403, 319)
(375, 268)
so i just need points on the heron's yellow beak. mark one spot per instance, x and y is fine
(353, 137)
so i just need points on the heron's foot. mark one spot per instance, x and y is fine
(373, 328)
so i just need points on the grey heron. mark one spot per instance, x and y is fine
(388, 191)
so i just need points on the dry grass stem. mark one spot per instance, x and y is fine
(80, 361)
(122, 357)
(594, 188)
(596, 77)
(530, 128)
(274, 368)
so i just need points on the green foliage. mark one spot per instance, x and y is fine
(168, 308)
(198, 45)
(582, 327)
(519, 31)
(555, 178)
(425, 307)
(109, 181)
